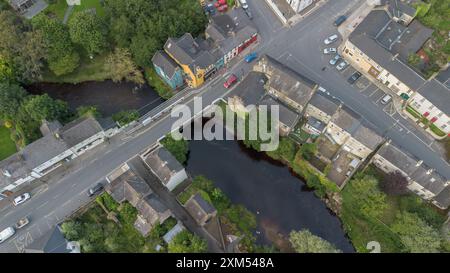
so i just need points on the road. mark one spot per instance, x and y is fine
(298, 46)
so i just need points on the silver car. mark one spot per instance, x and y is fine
(335, 59)
(330, 50)
(330, 39)
(342, 65)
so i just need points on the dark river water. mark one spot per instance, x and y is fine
(279, 199)
(108, 96)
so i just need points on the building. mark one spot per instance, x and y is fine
(319, 111)
(348, 129)
(52, 242)
(168, 237)
(28, 8)
(285, 84)
(299, 5)
(200, 209)
(380, 46)
(423, 181)
(59, 144)
(168, 70)
(126, 185)
(165, 166)
(250, 92)
(287, 118)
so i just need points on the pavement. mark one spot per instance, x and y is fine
(299, 47)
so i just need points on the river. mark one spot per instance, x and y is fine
(280, 200)
(109, 97)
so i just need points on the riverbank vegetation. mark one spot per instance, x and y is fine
(7, 146)
(399, 223)
(107, 226)
(178, 148)
(125, 117)
(304, 241)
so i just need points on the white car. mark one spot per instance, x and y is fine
(330, 50)
(386, 99)
(6, 234)
(21, 199)
(335, 59)
(330, 39)
(342, 65)
(244, 4)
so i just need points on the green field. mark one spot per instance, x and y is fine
(7, 146)
(60, 6)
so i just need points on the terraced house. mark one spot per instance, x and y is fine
(380, 46)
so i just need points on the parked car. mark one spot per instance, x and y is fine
(210, 8)
(386, 99)
(330, 50)
(342, 65)
(353, 78)
(230, 81)
(341, 19)
(21, 199)
(22, 222)
(95, 189)
(244, 4)
(6, 234)
(250, 57)
(330, 39)
(335, 59)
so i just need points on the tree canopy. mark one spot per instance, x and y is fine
(369, 199)
(304, 241)
(88, 30)
(186, 242)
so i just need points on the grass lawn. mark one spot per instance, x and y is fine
(90, 4)
(89, 70)
(57, 9)
(60, 6)
(7, 146)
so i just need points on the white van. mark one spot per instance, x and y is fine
(6, 234)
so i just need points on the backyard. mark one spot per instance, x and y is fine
(59, 7)
(7, 146)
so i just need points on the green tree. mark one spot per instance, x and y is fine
(304, 241)
(62, 57)
(88, 30)
(122, 67)
(88, 111)
(368, 197)
(71, 230)
(416, 234)
(178, 148)
(186, 242)
(43, 107)
(125, 117)
(308, 150)
(11, 97)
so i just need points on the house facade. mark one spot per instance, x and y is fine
(59, 144)
(422, 180)
(168, 70)
(299, 5)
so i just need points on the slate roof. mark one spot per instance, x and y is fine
(251, 89)
(438, 94)
(367, 136)
(399, 158)
(375, 36)
(286, 116)
(128, 186)
(325, 103)
(79, 130)
(443, 198)
(51, 242)
(199, 208)
(411, 40)
(288, 82)
(433, 182)
(173, 232)
(151, 208)
(163, 164)
(167, 64)
(347, 119)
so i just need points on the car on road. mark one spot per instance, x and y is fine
(95, 189)
(210, 9)
(341, 19)
(21, 199)
(386, 99)
(335, 59)
(22, 222)
(244, 4)
(330, 39)
(342, 65)
(230, 81)
(330, 50)
(353, 78)
(250, 57)
(6, 234)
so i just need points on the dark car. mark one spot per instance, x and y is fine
(95, 189)
(354, 77)
(341, 19)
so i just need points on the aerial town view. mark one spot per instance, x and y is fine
(234, 127)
